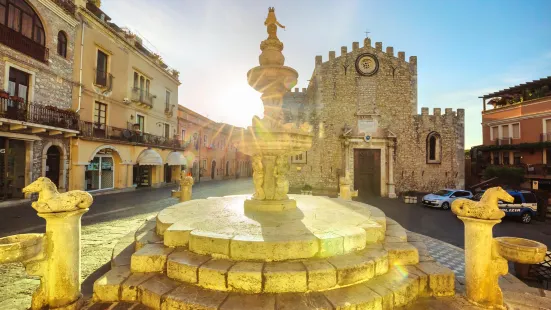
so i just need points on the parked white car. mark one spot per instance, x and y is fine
(444, 198)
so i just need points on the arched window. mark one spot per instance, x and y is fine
(22, 25)
(434, 148)
(62, 44)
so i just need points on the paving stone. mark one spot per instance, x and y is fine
(125, 306)
(419, 245)
(122, 257)
(129, 288)
(151, 291)
(426, 258)
(441, 279)
(405, 289)
(177, 235)
(352, 268)
(184, 265)
(187, 296)
(246, 277)
(293, 301)
(204, 242)
(107, 287)
(285, 277)
(386, 294)
(150, 258)
(321, 274)
(213, 274)
(522, 300)
(354, 297)
(237, 301)
(413, 237)
(374, 232)
(401, 253)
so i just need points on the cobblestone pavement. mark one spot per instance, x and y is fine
(103, 225)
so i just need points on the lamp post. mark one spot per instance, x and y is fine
(196, 138)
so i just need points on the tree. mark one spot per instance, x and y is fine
(509, 176)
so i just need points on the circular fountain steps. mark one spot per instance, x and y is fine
(318, 227)
(262, 277)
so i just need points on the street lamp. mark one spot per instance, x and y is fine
(196, 137)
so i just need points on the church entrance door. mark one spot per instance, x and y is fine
(367, 172)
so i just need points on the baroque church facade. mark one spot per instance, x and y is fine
(362, 106)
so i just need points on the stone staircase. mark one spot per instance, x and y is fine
(167, 264)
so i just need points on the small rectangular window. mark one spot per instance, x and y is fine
(548, 126)
(100, 115)
(517, 158)
(516, 131)
(183, 138)
(505, 131)
(167, 99)
(101, 69)
(506, 158)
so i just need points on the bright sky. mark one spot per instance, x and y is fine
(465, 49)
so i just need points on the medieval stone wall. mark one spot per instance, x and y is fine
(338, 96)
(53, 82)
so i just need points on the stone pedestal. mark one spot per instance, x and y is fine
(60, 286)
(483, 265)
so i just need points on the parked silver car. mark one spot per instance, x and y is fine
(444, 198)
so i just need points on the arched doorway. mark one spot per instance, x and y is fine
(53, 164)
(213, 168)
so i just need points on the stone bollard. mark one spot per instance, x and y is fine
(185, 188)
(485, 256)
(346, 191)
(184, 192)
(55, 255)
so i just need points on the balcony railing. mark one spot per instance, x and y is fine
(142, 96)
(21, 43)
(504, 141)
(67, 5)
(17, 109)
(102, 131)
(103, 79)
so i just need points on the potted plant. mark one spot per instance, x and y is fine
(410, 197)
(306, 190)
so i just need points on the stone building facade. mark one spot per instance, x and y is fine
(36, 80)
(362, 106)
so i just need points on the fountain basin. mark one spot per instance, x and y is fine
(262, 78)
(19, 248)
(275, 142)
(519, 250)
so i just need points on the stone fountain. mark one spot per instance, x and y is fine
(271, 250)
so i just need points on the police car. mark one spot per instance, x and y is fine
(524, 206)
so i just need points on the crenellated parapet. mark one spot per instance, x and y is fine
(400, 57)
(449, 113)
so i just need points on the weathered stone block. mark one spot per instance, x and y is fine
(441, 279)
(177, 235)
(150, 258)
(401, 253)
(188, 296)
(129, 288)
(245, 301)
(354, 238)
(285, 277)
(184, 266)
(107, 287)
(151, 291)
(204, 242)
(246, 276)
(354, 297)
(352, 268)
(330, 244)
(321, 274)
(213, 273)
(293, 301)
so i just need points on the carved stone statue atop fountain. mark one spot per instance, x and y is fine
(269, 140)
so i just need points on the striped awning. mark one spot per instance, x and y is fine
(176, 159)
(149, 158)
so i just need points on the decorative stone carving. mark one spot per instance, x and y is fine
(258, 177)
(51, 201)
(486, 208)
(280, 172)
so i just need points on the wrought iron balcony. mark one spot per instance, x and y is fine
(142, 97)
(103, 131)
(103, 79)
(21, 43)
(17, 109)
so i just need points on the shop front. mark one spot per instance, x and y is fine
(100, 172)
(147, 169)
(12, 168)
(176, 163)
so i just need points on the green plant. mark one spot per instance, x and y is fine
(307, 187)
(509, 176)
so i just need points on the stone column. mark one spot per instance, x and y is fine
(269, 185)
(62, 277)
(391, 188)
(482, 264)
(185, 188)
